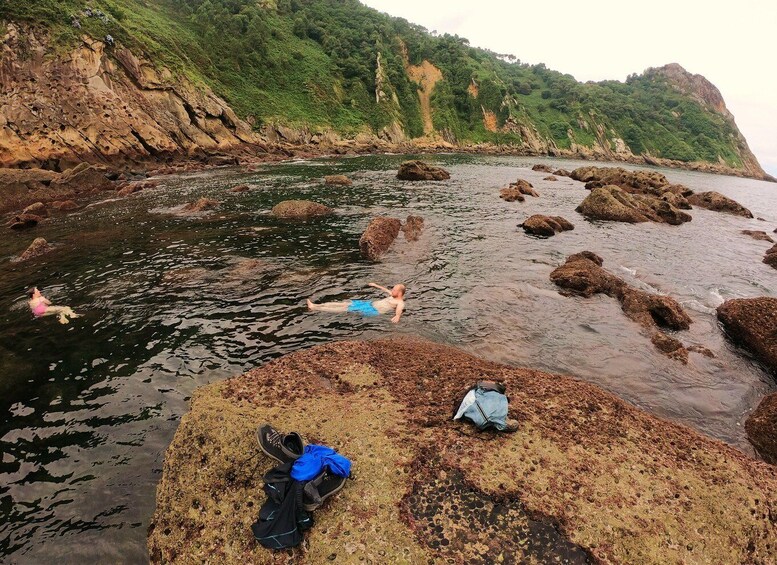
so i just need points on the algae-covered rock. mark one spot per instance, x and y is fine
(300, 209)
(586, 478)
(612, 203)
(752, 324)
(200, 205)
(761, 428)
(546, 226)
(337, 180)
(38, 247)
(418, 170)
(771, 257)
(758, 235)
(413, 227)
(717, 202)
(378, 237)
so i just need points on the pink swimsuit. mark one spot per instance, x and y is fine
(39, 309)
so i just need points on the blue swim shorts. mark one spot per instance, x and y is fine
(363, 307)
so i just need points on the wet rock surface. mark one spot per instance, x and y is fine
(771, 257)
(200, 205)
(37, 209)
(758, 235)
(542, 167)
(65, 205)
(547, 226)
(584, 275)
(517, 190)
(300, 209)
(583, 468)
(418, 170)
(752, 324)
(611, 203)
(24, 221)
(378, 237)
(38, 247)
(717, 202)
(761, 428)
(240, 188)
(337, 180)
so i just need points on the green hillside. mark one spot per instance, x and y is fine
(315, 63)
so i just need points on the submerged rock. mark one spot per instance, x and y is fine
(771, 257)
(65, 205)
(758, 235)
(338, 180)
(418, 170)
(611, 203)
(38, 247)
(752, 323)
(550, 178)
(201, 205)
(546, 225)
(413, 227)
(300, 209)
(378, 237)
(562, 173)
(37, 209)
(517, 190)
(563, 488)
(542, 167)
(583, 274)
(24, 221)
(240, 188)
(719, 203)
(761, 428)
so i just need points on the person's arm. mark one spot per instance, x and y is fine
(383, 288)
(46, 301)
(400, 309)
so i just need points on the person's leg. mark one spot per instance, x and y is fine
(63, 312)
(329, 306)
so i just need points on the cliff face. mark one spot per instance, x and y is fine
(60, 109)
(708, 95)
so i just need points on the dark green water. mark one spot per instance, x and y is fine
(171, 303)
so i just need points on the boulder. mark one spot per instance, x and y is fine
(38, 247)
(584, 468)
(127, 188)
(550, 178)
(338, 180)
(639, 182)
(300, 209)
(546, 225)
(378, 237)
(240, 188)
(561, 173)
(771, 257)
(583, 274)
(542, 167)
(413, 227)
(24, 221)
(761, 428)
(511, 194)
(758, 235)
(200, 205)
(84, 178)
(37, 209)
(752, 324)
(418, 170)
(611, 203)
(65, 205)
(719, 203)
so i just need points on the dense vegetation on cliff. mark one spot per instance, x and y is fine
(339, 64)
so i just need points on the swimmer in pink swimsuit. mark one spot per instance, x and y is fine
(41, 306)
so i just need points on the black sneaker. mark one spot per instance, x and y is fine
(318, 489)
(282, 448)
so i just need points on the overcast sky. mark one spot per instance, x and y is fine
(733, 47)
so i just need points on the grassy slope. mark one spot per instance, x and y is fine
(312, 62)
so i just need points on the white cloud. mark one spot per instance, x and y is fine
(731, 44)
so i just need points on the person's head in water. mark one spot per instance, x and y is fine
(398, 291)
(32, 291)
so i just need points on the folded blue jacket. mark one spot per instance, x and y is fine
(313, 461)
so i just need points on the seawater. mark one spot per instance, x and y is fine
(171, 303)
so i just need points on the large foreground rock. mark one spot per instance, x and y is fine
(612, 203)
(717, 202)
(300, 209)
(378, 237)
(586, 478)
(418, 170)
(752, 324)
(761, 428)
(584, 275)
(547, 226)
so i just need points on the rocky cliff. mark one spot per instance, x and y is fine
(102, 104)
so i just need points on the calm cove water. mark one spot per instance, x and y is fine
(172, 303)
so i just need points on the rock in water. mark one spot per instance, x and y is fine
(613, 204)
(300, 209)
(719, 203)
(65, 205)
(200, 205)
(338, 180)
(761, 428)
(37, 209)
(378, 237)
(240, 188)
(24, 221)
(758, 235)
(428, 491)
(583, 274)
(752, 324)
(38, 247)
(551, 178)
(542, 167)
(546, 225)
(771, 257)
(516, 191)
(561, 173)
(418, 170)
(413, 227)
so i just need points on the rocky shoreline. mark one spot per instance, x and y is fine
(586, 478)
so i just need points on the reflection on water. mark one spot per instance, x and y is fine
(172, 303)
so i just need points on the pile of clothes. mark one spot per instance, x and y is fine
(307, 475)
(485, 405)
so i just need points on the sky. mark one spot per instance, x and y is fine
(732, 44)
